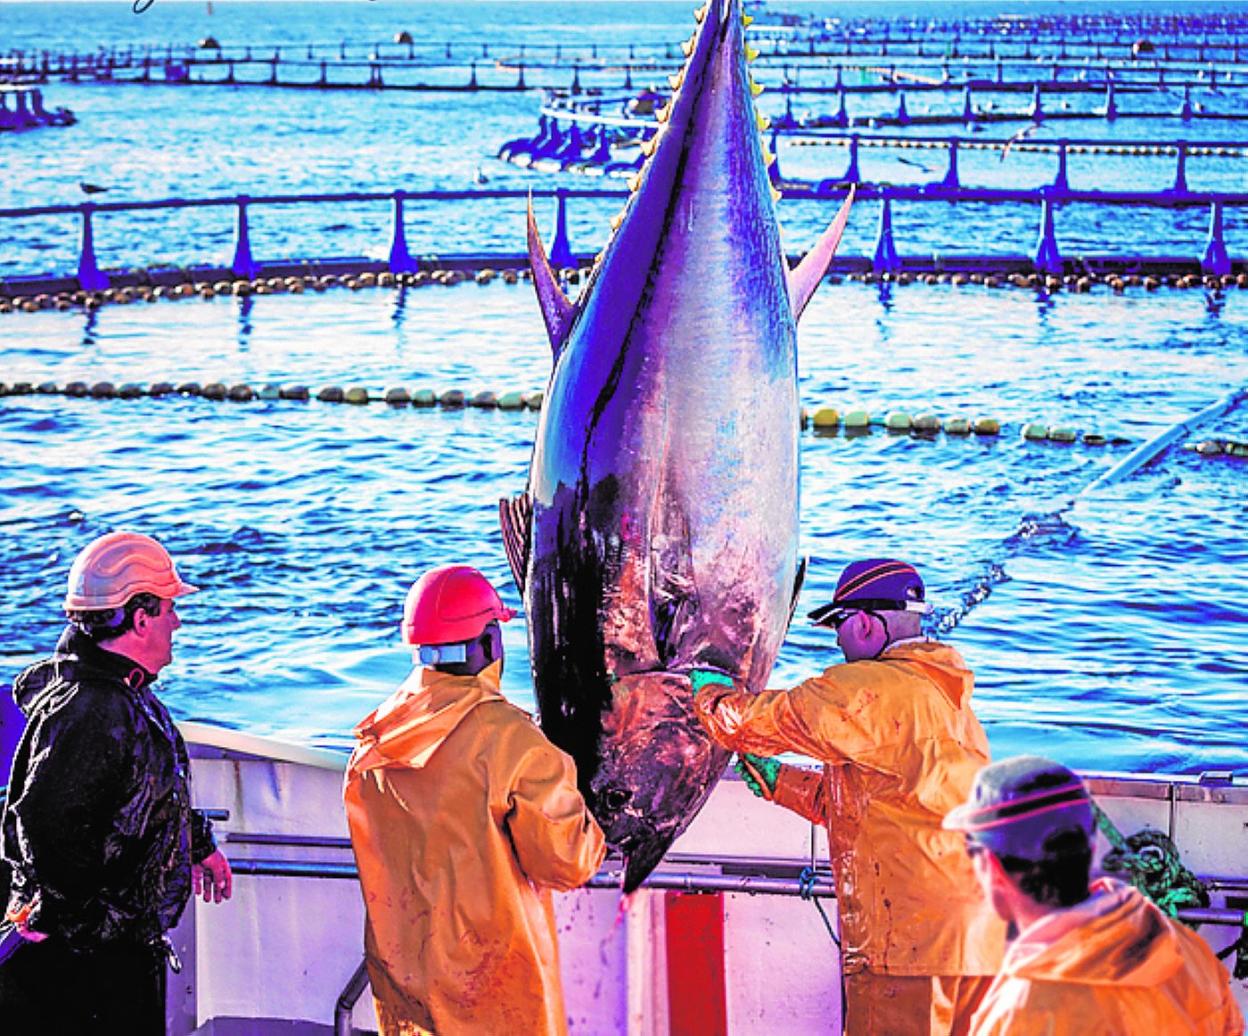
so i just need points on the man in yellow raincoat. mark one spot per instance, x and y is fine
(463, 817)
(900, 745)
(1087, 959)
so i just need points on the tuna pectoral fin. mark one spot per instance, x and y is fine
(557, 308)
(804, 278)
(516, 518)
(797, 589)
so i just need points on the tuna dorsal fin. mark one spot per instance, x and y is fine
(557, 308)
(804, 278)
(516, 518)
(797, 588)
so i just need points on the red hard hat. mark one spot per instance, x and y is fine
(450, 605)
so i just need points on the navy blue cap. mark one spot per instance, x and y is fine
(1019, 805)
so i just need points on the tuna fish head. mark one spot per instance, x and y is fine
(658, 534)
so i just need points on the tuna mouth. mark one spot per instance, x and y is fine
(657, 766)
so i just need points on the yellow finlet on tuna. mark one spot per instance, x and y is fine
(756, 88)
(750, 53)
(663, 114)
(687, 47)
(634, 183)
(746, 21)
(676, 81)
(762, 121)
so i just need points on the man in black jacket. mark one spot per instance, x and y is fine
(98, 829)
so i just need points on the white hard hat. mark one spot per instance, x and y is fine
(114, 568)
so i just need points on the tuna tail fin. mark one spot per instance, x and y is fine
(516, 518)
(557, 308)
(804, 278)
(797, 589)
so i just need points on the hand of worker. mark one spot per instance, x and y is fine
(212, 877)
(700, 678)
(21, 918)
(759, 772)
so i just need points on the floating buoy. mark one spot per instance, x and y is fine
(485, 400)
(534, 400)
(1035, 431)
(355, 395)
(330, 394)
(451, 398)
(190, 388)
(986, 426)
(102, 390)
(857, 420)
(241, 393)
(898, 421)
(270, 391)
(299, 393)
(926, 423)
(130, 391)
(826, 417)
(47, 388)
(510, 277)
(1209, 448)
(1063, 434)
(511, 401)
(424, 397)
(957, 426)
(1094, 439)
(159, 388)
(215, 390)
(397, 396)
(23, 388)
(485, 276)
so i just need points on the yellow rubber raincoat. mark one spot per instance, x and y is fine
(900, 748)
(1112, 964)
(463, 817)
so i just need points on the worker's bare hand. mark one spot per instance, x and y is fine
(212, 877)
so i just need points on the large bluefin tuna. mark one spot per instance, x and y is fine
(658, 534)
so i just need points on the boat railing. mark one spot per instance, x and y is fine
(1045, 256)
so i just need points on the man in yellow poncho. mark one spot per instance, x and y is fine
(900, 745)
(463, 817)
(1097, 958)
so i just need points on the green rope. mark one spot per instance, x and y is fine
(1149, 860)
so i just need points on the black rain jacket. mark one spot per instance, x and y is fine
(98, 823)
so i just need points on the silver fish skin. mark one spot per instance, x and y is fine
(659, 532)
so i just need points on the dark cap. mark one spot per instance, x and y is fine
(878, 584)
(1019, 805)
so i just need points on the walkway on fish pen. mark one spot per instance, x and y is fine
(1042, 265)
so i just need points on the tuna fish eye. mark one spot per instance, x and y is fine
(615, 799)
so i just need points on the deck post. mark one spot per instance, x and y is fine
(401, 260)
(561, 247)
(841, 118)
(1215, 261)
(1180, 169)
(1111, 105)
(903, 117)
(90, 277)
(885, 259)
(852, 174)
(243, 265)
(1047, 258)
(968, 107)
(773, 170)
(1185, 112)
(1037, 107)
(951, 174)
(1061, 182)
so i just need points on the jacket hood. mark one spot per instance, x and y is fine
(1115, 937)
(939, 662)
(410, 725)
(75, 655)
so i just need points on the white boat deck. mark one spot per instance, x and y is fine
(277, 957)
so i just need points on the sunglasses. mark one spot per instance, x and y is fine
(838, 619)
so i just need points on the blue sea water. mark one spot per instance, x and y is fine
(1110, 637)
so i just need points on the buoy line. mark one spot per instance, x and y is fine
(822, 421)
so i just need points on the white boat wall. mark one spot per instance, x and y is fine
(284, 955)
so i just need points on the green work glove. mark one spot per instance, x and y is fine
(760, 772)
(700, 678)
